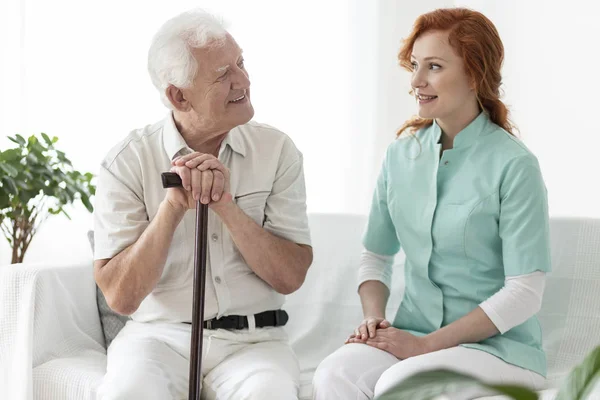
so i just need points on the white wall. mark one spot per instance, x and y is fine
(393, 104)
(325, 72)
(552, 85)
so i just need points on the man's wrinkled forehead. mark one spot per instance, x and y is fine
(218, 56)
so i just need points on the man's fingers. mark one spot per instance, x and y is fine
(196, 178)
(212, 163)
(180, 161)
(218, 185)
(195, 162)
(186, 177)
(207, 183)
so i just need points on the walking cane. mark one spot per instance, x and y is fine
(169, 180)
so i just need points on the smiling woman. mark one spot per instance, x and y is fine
(455, 73)
(470, 212)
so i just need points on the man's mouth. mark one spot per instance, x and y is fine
(238, 99)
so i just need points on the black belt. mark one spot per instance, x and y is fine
(267, 318)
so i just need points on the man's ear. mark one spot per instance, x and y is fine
(177, 98)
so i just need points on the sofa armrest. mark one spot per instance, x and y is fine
(46, 312)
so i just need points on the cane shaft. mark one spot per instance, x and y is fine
(169, 180)
(198, 301)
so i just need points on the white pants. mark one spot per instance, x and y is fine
(151, 361)
(357, 371)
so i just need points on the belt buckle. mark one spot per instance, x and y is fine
(209, 324)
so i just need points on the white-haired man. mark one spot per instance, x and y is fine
(251, 175)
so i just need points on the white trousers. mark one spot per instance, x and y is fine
(150, 361)
(357, 371)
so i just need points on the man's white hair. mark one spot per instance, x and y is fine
(170, 59)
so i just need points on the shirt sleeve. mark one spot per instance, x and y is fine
(380, 235)
(120, 215)
(285, 210)
(375, 267)
(524, 225)
(519, 300)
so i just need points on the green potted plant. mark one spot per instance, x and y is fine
(36, 180)
(427, 385)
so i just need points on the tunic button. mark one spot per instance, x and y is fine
(218, 279)
(446, 162)
(214, 237)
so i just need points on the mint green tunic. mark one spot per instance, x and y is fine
(465, 221)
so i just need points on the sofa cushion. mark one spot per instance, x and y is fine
(70, 378)
(112, 323)
(570, 314)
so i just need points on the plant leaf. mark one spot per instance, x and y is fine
(86, 202)
(10, 183)
(20, 139)
(64, 212)
(34, 172)
(582, 378)
(32, 158)
(11, 155)
(430, 384)
(47, 139)
(9, 169)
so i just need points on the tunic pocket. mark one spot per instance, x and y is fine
(448, 228)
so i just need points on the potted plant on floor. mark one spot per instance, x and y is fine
(36, 181)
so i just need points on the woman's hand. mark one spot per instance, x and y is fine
(397, 342)
(367, 329)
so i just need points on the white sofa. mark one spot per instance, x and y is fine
(52, 346)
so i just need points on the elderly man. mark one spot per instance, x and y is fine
(251, 176)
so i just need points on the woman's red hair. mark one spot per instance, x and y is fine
(475, 38)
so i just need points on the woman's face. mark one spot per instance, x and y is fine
(441, 86)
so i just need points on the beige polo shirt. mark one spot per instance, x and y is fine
(267, 183)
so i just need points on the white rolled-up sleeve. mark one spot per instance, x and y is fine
(519, 300)
(375, 267)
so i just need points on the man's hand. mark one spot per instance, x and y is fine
(397, 342)
(367, 328)
(203, 178)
